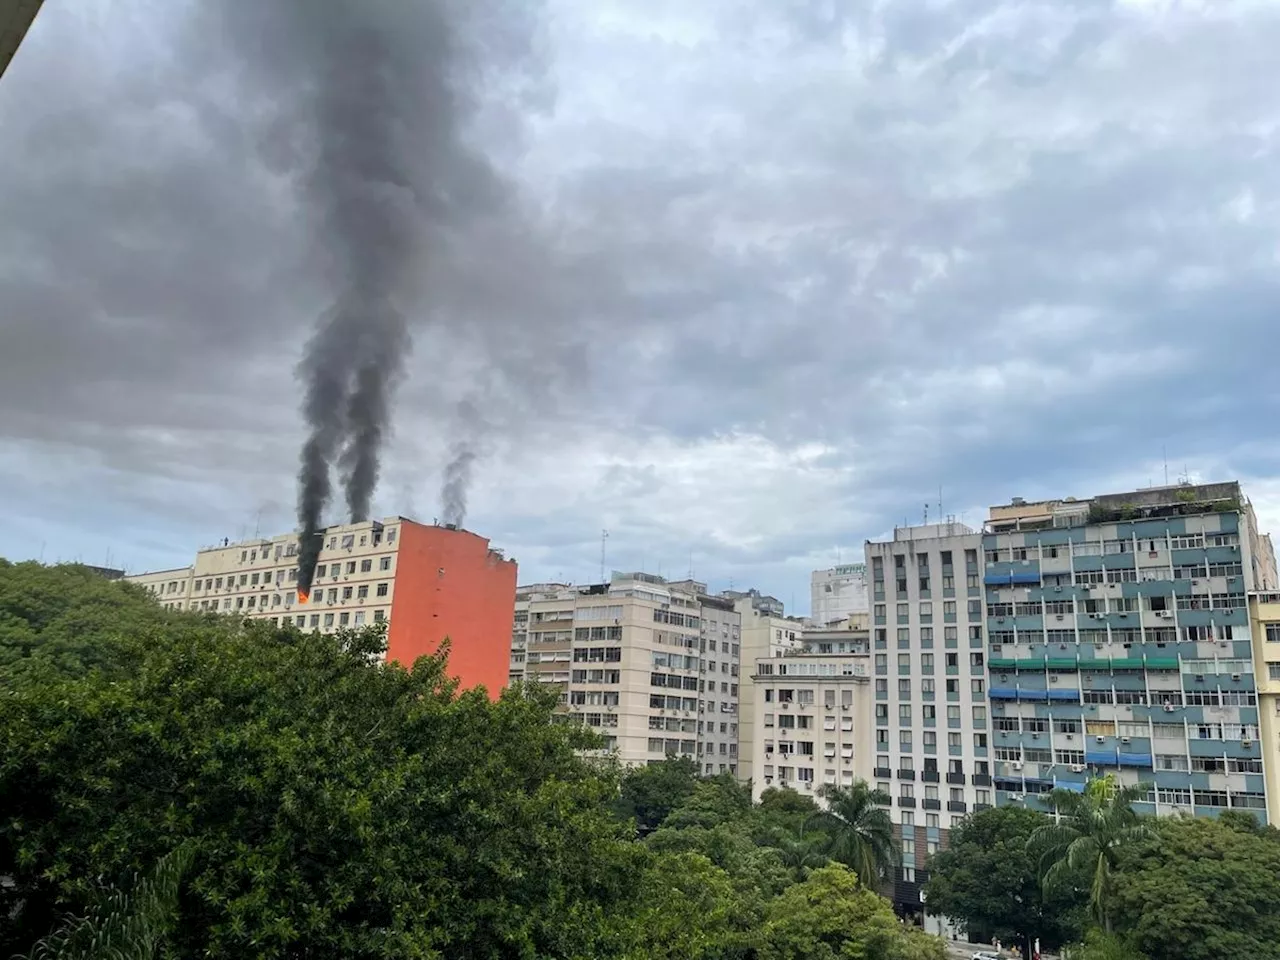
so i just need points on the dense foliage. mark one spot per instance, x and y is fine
(988, 878)
(327, 805)
(1170, 888)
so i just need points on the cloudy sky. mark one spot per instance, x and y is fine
(769, 277)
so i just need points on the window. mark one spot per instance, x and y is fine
(926, 663)
(904, 661)
(382, 589)
(320, 570)
(366, 566)
(384, 563)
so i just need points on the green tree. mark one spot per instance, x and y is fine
(803, 851)
(1099, 945)
(1092, 831)
(1201, 889)
(988, 881)
(126, 924)
(70, 617)
(648, 794)
(860, 831)
(685, 908)
(337, 806)
(714, 801)
(832, 916)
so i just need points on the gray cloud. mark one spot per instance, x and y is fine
(1005, 248)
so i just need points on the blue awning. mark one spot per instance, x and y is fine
(1135, 759)
(1003, 693)
(1073, 695)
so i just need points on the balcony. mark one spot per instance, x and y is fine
(907, 802)
(882, 773)
(980, 780)
(956, 778)
(957, 806)
(906, 774)
(931, 804)
(929, 776)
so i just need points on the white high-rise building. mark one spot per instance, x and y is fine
(837, 593)
(931, 726)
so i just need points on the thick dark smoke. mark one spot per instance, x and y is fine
(374, 99)
(457, 481)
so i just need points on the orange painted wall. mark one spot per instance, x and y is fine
(449, 584)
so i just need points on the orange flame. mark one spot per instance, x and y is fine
(303, 596)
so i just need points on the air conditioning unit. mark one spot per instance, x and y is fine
(1101, 739)
(1060, 616)
(1070, 736)
(1246, 743)
(1235, 676)
(1168, 708)
(1004, 735)
(1017, 764)
(1077, 768)
(1124, 739)
(1164, 614)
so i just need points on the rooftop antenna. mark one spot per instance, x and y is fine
(926, 514)
(1165, 453)
(690, 564)
(604, 540)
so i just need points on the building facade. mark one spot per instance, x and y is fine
(837, 593)
(766, 632)
(1120, 643)
(427, 582)
(932, 750)
(651, 665)
(813, 718)
(1264, 618)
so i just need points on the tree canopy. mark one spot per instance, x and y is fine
(988, 879)
(329, 805)
(1196, 889)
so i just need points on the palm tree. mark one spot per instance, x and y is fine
(860, 830)
(127, 924)
(801, 851)
(1090, 831)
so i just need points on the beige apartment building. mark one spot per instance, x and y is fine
(651, 665)
(1264, 617)
(766, 632)
(813, 717)
(354, 581)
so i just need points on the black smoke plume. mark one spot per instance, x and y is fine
(457, 481)
(371, 109)
(374, 100)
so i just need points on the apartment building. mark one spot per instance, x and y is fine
(429, 582)
(766, 632)
(1120, 641)
(1264, 619)
(932, 739)
(813, 716)
(651, 665)
(837, 593)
